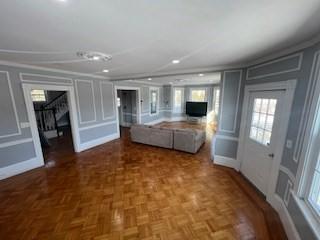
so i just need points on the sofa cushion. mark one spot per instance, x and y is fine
(161, 137)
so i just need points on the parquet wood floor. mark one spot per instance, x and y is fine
(124, 190)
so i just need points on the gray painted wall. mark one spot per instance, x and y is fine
(90, 102)
(295, 66)
(225, 143)
(168, 98)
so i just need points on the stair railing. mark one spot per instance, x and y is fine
(47, 115)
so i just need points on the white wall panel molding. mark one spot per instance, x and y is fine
(18, 132)
(94, 117)
(297, 67)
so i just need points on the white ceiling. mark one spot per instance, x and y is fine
(183, 79)
(145, 36)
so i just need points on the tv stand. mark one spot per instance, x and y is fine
(194, 120)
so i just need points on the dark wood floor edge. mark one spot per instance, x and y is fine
(236, 177)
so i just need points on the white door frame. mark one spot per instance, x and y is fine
(27, 87)
(116, 88)
(289, 88)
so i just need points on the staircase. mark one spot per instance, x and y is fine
(49, 115)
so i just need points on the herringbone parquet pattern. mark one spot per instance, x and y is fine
(123, 190)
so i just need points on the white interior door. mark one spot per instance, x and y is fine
(261, 134)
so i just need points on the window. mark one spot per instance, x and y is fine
(178, 100)
(198, 95)
(154, 101)
(216, 100)
(262, 120)
(307, 191)
(311, 190)
(314, 193)
(38, 95)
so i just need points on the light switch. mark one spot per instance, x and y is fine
(289, 144)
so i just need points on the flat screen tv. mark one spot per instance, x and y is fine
(196, 109)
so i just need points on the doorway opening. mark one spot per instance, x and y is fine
(51, 110)
(53, 122)
(127, 108)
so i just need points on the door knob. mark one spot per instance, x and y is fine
(271, 155)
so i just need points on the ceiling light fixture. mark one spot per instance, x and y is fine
(105, 71)
(94, 56)
(149, 79)
(176, 61)
(201, 74)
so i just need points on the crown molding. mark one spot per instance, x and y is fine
(287, 51)
(144, 82)
(178, 72)
(13, 64)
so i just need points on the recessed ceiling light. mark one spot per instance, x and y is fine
(62, 0)
(201, 74)
(171, 82)
(149, 79)
(130, 80)
(176, 61)
(105, 70)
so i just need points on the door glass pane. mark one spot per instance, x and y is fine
(255, 119)
(259, 135)
(272, 106)
(253, 132)
(269, 122)
(266, 138)
(257, 105)
(264, 105)
(262, 120)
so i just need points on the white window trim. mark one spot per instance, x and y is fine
(197, 89)
(158, 101)
(176, 110)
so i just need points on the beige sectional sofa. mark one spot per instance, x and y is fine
(187, 140)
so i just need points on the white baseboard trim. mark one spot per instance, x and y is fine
(227, 162)
(99, 141)
(20, 167)
(285, 218)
